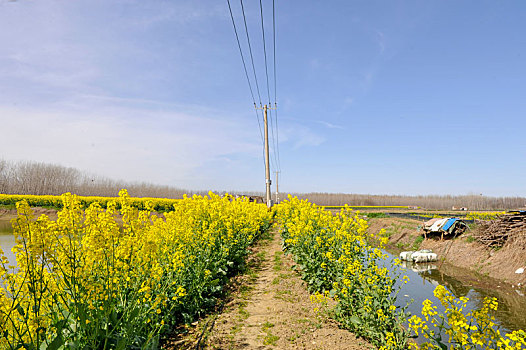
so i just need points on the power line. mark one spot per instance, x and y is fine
(275, 80)
(272, 127)
(245, 67)
(274, 46)
(241, 52)
(253, 66)
(267, 108)
(264, 48)
(250, 50)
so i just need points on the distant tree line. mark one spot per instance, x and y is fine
(29, 177)
(444, 202)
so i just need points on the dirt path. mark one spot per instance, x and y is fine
(272, 310)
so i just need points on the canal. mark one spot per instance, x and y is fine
(461, 283)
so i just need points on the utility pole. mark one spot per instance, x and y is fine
(277, 188)
(267, 163)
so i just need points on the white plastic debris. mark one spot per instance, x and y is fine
(420, 256)
(406, 256)
(520, 270)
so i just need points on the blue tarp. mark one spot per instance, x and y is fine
(448, 224)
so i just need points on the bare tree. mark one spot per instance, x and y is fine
(51, 179)
(41, 179)
(444, 202)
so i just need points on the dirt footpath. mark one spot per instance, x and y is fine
(272, 310)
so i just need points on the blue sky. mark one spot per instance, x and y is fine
(381, 97)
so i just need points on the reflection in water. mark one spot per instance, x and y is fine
(5, 226)
(462, 283)
(7, 242)
(512, 305)
(420, 267)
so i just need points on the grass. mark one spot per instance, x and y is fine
(401, 245)
(278, 263)
(269, 338)
(281, 277)
(376, 215)
(243, 313)
(266, 326)
(285, 295)
(267, 236)
(417, 242)
(245, 291)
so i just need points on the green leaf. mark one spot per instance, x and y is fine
(56, 344)
(121, 344)
(20, 309)
(134, 314)
(355, 320)
(113, 318)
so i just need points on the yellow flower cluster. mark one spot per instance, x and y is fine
(484, 215)
(159, 204)
(475, 330)
(103, 278)
(337, 258)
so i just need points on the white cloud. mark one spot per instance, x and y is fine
(300, 136)
(348, 101)
(329, 125)
(380, 39)
(128, 144)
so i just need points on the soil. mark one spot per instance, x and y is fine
(270, 308)
(8, 213)
(461, 251)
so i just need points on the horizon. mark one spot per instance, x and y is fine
(122, 184)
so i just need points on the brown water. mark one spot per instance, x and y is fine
(7, 242)
(5, 226)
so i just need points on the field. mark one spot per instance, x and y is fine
(120, 275)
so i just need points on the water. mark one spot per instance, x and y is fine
(462, 283)
(5, 226)
(7, 242)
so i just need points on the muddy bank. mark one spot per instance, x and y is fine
(462, 251)
(37, 211)
(8, 214)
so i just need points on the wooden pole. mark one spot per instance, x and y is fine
(277, 188)
(267, 163)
